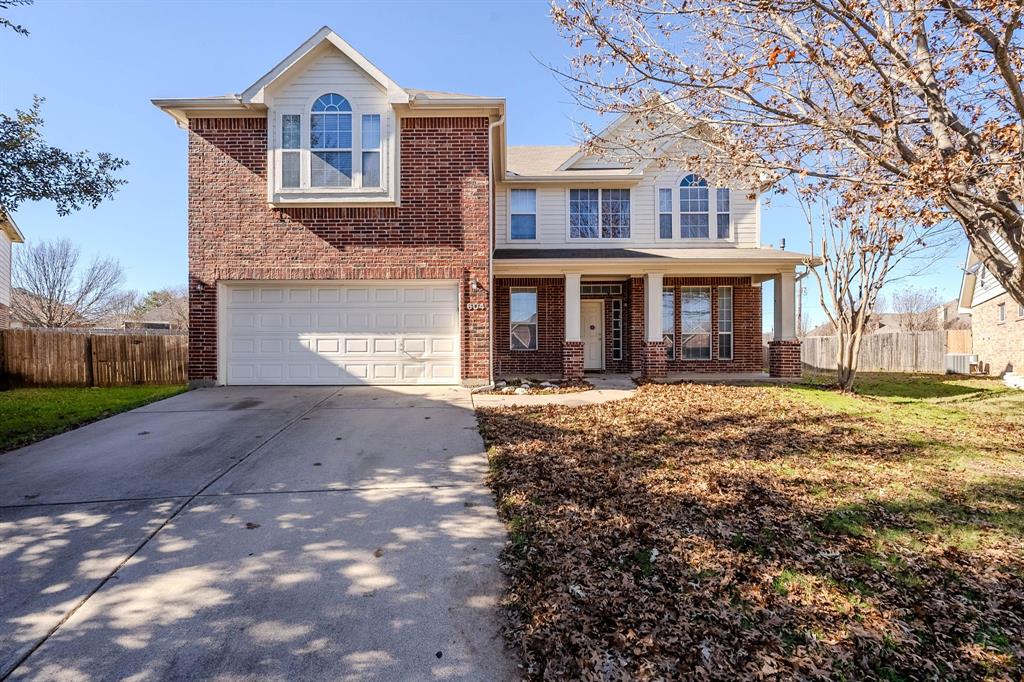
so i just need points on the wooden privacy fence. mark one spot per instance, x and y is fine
(897, 352)
(38, 357)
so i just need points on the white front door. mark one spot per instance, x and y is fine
(359, 332)
(592, 332)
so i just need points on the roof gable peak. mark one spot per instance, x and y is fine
(254, 94)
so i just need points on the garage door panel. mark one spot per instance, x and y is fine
(388, 333)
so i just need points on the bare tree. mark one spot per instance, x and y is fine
(858, 253)
(918, 107)
(918, 310)
(54, 289)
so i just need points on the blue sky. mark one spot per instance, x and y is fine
(99, 63)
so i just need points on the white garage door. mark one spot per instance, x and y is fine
(396, 332)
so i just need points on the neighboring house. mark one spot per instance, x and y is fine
(9, 235)
(947, 316)
(344, 229)
(997, 321)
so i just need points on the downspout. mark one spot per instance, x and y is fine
(490, 247)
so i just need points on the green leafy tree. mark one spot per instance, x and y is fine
(32, 170)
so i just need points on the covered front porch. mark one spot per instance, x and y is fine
(657, 316)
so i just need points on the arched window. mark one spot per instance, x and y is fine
(330, 141)
(693, 207)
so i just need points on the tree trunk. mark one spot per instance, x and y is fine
(847, 357)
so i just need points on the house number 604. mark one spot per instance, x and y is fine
(476, 306)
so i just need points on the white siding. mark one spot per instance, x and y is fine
(5, 269)
(553, 217)
(327, 71)
(986, 286)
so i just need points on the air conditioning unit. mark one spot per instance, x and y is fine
(960, 363)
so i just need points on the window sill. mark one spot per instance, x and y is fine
(331, 198)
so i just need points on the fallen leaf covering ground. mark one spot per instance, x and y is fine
(724, 532)
(535, 388)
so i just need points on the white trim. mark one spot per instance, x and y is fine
(508, 215)
(222, 335)
(600, 303)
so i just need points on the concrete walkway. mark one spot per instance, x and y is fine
(607, 387)
(255, 533)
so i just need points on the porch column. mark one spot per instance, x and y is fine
(785, 306)
(572, 346)
(784, 349)
(653, 362)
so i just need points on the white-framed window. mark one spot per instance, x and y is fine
(522, 324)
(695, 322)
(616, 329)
(523, 214)
(694, 218)
(725, 323)
(722, 218)
(1002, 312)
(599, 214)
(330, 142)
(291, 150)
(668, 321)
(331, 146)
(371, 150)
(693, 209)
(665, 213)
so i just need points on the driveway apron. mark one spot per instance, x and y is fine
(272, 533)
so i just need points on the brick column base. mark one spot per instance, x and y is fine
(572, 360)
(784, 358)
(653, 360)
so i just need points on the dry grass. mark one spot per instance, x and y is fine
(724, 532)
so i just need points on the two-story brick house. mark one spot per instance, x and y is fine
(344, 229)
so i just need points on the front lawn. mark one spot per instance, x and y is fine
(31, 414)
(767, 532)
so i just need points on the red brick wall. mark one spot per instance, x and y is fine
(784, 358)
(439, 232)
(637, 328)
(572, 360)
(746, 303)
(547, 359)
(999, 345)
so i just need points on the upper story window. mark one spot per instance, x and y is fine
(523, 222)
(693, 207)
(330, 139)
(704, 212)
(599, 214)
(330, 146)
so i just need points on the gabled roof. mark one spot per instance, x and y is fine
(253, 97)
(8, 225)
(254, 93)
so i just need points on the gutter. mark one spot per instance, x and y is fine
(490, 245)
(563, 179)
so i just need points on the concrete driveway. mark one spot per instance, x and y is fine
(274, 533)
